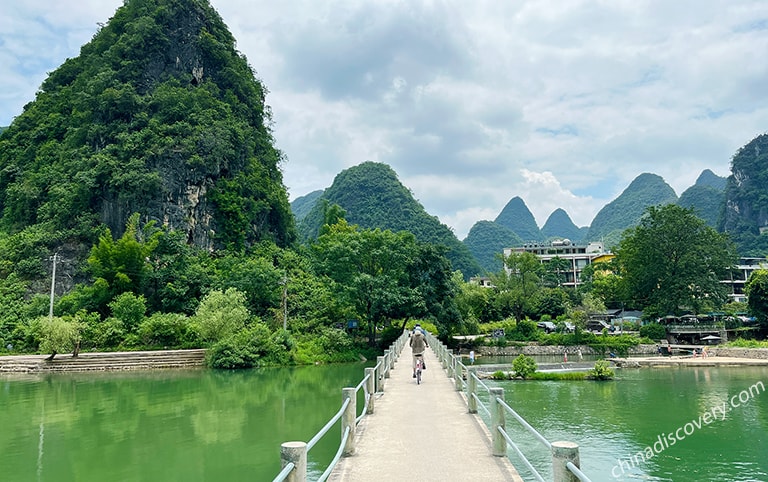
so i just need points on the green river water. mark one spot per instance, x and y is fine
(228, 426)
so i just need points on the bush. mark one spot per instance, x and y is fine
(602, 371)
(167, 330)
(525, 330)
(654, 331)
(107, 334)
(524, 366)
(499, 375)
(249, 348)
(129, 309)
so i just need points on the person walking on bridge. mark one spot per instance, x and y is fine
(418, 344)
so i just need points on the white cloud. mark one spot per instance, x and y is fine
(560, 103)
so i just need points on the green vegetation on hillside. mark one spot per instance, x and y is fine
(626, 210)
(373, 197)
(518, 218)
(487, 240)
(159, 114)
(746, 203)
(560, 226)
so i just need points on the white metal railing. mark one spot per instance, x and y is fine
(565, 455)
(293, 455)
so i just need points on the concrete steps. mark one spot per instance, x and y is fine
(135, 360)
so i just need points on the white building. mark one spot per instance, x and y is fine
(577, 256)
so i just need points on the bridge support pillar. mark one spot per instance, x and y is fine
(562, 453)
(296, 453)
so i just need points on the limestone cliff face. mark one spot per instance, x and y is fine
(746, 204)
(158, 115)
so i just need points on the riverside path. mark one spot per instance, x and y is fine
(422, 432)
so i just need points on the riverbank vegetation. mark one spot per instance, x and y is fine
(524, 367)
(341, 297)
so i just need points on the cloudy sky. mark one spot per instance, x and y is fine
(562, 103)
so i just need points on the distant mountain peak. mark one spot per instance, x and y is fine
(518, 218)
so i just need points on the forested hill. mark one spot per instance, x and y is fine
(626, 210)
(746, 204)
(706, 197)
(560, 225)
(373, 197)
(158, 115)
(518, 218)
(487, 240)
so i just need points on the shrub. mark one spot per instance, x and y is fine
(654, 331)
(525, 330)
(253, 347)
(499, 375)
(524, 366)
(107, 334)
(170, 330)
(129, 309)
(602, 371)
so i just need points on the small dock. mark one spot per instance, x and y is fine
(422, 432)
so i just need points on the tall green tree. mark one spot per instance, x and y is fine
(756, 290)
(518, 284)
(673, 262)
(384, 275)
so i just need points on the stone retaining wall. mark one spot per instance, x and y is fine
(105, 361)
(554, 350)
(758, 353)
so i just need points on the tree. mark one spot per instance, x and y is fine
(554, 271)
(673, 261)
(58, 335)
(756, 290)
(221, 314)
(518, 284)
(384, 275)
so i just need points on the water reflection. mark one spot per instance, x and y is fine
(614, 421)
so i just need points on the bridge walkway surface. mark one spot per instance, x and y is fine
(422, 432)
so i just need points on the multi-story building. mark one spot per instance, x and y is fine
(740, 274)
(577, 256)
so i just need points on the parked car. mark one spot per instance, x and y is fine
(569, 327)
(598, 326)
(547, 326)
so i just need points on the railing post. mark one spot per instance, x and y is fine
(497, 421)
(562, 453)
(349, 418)
(472, 390)
(380, 373)
(370, 388)
(388, 363)
(296, 453)
(458, 373)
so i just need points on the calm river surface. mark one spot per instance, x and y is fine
(613, 421)
(197, 425)
(206, 425)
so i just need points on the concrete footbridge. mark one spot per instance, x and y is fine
(429, 432)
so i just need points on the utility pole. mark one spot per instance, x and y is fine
(284, 282)
(53, 285)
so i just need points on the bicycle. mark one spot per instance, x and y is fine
(419, 367)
